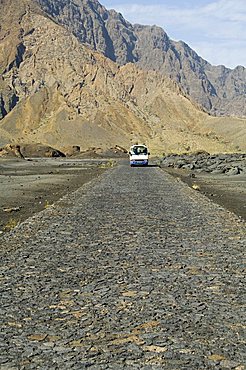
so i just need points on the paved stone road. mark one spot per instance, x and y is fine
(134, 270)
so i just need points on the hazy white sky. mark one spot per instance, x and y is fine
(215, 29)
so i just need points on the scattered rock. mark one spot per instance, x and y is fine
(233, 171)
(40, 150)
(97, 152)
(119, 148)
(71, 151)
(156, 349)
(218, 171)
(91, 152)
(13, 209)
(37, 337)
(11, 150)
(229, 164)
(196, 187)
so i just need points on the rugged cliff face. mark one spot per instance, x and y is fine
(220, 90)
(57, 91)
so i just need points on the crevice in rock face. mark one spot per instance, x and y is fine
(110, 50)
(20, 51)
(13, 101)
(7, 104)
(3, 111)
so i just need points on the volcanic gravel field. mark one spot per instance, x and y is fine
(134, 270)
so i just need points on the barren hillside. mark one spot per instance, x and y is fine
(57, 91)
(220, 90)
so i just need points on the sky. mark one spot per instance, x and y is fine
(215, 29)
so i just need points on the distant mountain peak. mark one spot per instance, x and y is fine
(150, 48)
(65, 79)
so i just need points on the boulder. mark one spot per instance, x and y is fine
(40, 150)
(71, 150)
(233, 171)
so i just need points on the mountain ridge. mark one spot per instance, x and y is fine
(58, 91)
(220, 90)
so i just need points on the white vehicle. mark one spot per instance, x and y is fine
(139, 155)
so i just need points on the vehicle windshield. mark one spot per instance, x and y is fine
(139, 150)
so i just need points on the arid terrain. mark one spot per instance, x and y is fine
(104, 265)
(30, 186)
(220, 177)
(229, 192)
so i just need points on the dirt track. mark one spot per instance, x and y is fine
(134, 270)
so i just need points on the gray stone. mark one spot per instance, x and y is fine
(233, 171)
(141, 261)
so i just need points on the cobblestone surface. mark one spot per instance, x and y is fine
(134, 270)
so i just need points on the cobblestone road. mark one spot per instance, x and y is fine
(134, 270)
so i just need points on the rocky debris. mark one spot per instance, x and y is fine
(29, 150)
(71, 150)
(40, 150)
(11, 150)
(116, 151)
(97, 152)
(119, 148)
(226, 164)
(133, 271)
(11, 209)
(92, 152)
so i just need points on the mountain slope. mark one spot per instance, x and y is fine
(57, 91)
(220, 90)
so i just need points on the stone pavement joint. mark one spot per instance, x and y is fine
(134, 270)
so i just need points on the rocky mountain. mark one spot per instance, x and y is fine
(220, 90)
(57, 91)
